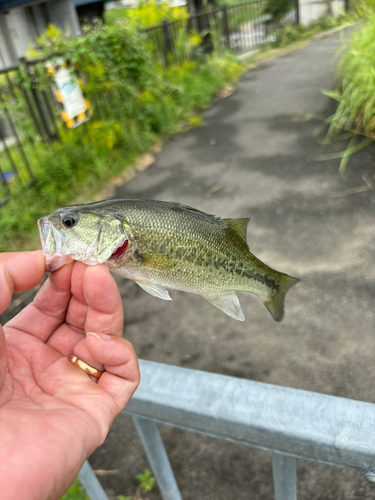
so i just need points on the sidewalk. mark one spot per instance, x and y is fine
(254, 157)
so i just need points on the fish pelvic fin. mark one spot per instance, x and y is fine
(228, 303)
(155, 290)
(275, 301)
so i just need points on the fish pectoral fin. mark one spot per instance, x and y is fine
(155, 290)
(228, 303)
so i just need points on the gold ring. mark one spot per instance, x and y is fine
(90, 370)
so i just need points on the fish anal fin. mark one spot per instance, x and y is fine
(155, 290)
(239, 226)
(275, 303)
(228, 303)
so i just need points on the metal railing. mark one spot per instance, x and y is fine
(290, 423)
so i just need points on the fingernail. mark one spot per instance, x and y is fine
(100, 336)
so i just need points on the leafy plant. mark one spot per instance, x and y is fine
(146, 480)
(146, 483)
(355, 112)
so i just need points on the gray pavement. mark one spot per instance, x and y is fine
(254, 157)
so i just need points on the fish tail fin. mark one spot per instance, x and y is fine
(275, 301)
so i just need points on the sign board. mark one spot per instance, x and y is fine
(74, 106)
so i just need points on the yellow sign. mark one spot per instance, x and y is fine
(67, 88)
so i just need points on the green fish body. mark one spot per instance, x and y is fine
(162, 245)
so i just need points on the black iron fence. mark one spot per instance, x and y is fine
(27, 120)
(29, 115)
(241, 28)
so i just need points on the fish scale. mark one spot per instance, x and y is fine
(167, 245)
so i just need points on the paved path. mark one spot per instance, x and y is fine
(254, 157)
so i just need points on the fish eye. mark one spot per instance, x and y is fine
(69, 220)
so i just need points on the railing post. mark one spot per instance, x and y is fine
(91, 483)
(284, 476)
(297, 12)
(167, 42)
(158, 458)
(226, 26)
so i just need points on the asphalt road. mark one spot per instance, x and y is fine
(254, 157)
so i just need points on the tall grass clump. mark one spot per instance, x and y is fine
(355, 92)
(136, 102)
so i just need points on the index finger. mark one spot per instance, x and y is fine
(19, 271)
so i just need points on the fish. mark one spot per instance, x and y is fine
(162, 245)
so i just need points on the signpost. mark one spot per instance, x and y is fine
(66, 85)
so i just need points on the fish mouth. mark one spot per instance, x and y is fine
(52, 245)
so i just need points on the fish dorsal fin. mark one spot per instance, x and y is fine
(239, 226)
(228, 303)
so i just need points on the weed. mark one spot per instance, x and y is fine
(146, 483)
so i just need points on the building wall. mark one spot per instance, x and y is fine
(21, 29)
(20, 26)
(6, 54)
(62, 13)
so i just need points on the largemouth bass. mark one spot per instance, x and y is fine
(162, 245)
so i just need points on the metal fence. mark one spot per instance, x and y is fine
(290, 423)
(242, 27)
(29, 117)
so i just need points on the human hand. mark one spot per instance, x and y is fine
(52, 414)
